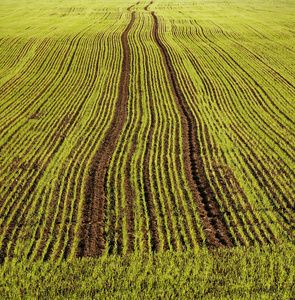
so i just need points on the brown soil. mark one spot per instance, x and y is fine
(132, 6)
(92, 241)
(213, 222)
(231, 179)
(146, 7)
(64, 127)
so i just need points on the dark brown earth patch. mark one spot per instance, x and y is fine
(92, 239)
(132, 6)
(146, 7)
(213, 222)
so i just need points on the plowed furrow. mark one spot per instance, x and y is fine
(217, 233)
(68, 203)
(132, 6)
(93, 241)
(146, 7)
(244, 122)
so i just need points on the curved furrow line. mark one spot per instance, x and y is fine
(63, 123)
(119, 190)
(221, 191)
(72, 199)
(38, 60)
(274, 114)
(259, 221)
(89, 86)
(165, 180)
(86, 95)
(76, 184)
(125, 145)
(146, 7)
(48, 86)
(272, 72)
(178, 191)
(21, 77)
(224, 55)
(197, 170)
(204, 138)
(141, 159)
(22, 53)
(171, 222)
(132, 6)
(158, 149)
(268, 159)
(11, 60)
(145, 223)
(263, 176)
(32, 128)
(148, 196)
(93, 243)
(282, 213)
(171, 177)
(28, 84)
(147, 132)
(61, 69)
(179, 195)
(152, 169)
(105, 114)
(158, 181)
(254, 215)
(84, 155)
(252, 110)
(71, 119)
(169, 142)
(14, 212)
(250, 54)
(9, 107)
(206, 141)
(209, 90)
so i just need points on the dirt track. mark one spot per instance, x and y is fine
(213, 222)
(92, 242)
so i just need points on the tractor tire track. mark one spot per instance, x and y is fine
(216, 234)
(92, 242)
(209, 86)
(146, 7)
(132, 6)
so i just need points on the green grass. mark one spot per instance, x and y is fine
(240, 273)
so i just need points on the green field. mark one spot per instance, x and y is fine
(156, 137)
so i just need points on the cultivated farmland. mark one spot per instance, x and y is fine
(144, 127)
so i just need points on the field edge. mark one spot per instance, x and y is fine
(242, 272)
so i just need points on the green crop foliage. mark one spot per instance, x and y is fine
(147, 148)
(241, 273)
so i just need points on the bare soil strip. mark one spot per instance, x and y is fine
(146, 7)
(213, 222)
(132, 6)
(92, 241)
